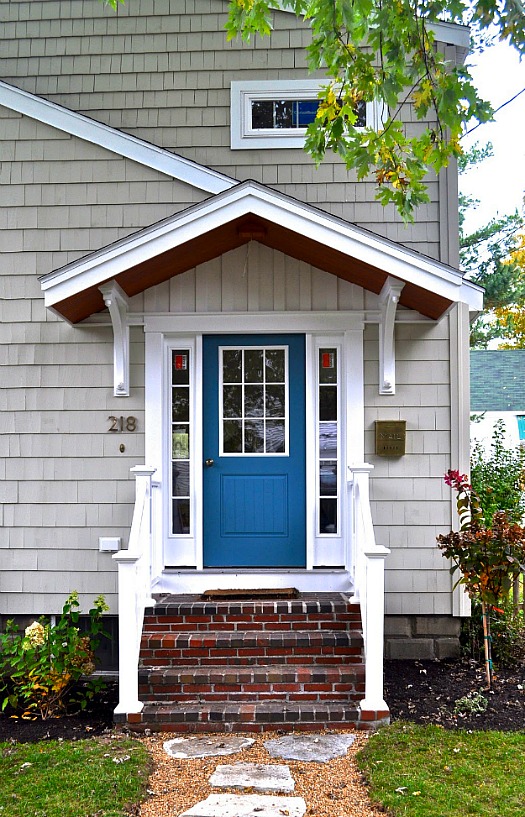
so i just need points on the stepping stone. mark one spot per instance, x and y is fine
(259, 776)
(247, 805)
(206, 746)
(309, 748)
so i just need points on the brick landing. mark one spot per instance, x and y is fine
(252, 665)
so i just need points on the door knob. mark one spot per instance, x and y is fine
(208, 463)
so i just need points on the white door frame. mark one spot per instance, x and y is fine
(164, 332)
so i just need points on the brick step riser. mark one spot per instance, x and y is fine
(247, 697)
(257, 659)
(249, 623)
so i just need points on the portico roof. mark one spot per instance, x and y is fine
(251, 211)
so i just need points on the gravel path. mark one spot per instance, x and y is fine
(333, 789)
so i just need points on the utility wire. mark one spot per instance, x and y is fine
(499, 108)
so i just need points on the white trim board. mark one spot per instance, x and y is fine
(123, 144)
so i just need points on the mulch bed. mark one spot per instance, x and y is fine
(419, 691)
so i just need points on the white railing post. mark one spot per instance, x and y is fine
(375, 629)
(134, 591)
(368, 561)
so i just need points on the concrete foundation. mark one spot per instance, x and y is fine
(422, 637)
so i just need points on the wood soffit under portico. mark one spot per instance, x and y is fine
(234, 234)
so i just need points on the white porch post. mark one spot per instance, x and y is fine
(375, 629)
(134, 592)
(369, 578)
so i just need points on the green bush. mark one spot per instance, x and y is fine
(507, 635)
(41, 669)
(499, 479)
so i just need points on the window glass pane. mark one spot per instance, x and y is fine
(275, 397)
(275, 437)
(232, 433)
(361, 115)
(328, 515)
(180, 478)
(306, 112)
(328, 440)
(232, 401)
(283, 114)
(180, 375)
(254, 436)
(262, 114)
(274, 359)
(327, 365)
(181, 442)
(328, 403)
(232, 366)
(181, 404)
(181, 515)
(253, 365)
(328, 478)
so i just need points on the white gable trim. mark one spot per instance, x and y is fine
(253, 198)
(123, 144)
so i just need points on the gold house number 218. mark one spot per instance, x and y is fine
(122, 424)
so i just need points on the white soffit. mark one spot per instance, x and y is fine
(116, 141)
(251, 198)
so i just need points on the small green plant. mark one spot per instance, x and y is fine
(40, 670)
(472, 704)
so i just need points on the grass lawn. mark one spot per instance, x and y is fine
(427, 771)
(102, 776)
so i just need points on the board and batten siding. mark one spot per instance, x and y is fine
(162, 71)
(63, 481)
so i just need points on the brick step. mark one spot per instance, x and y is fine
(311, 612)
(238, 648)
(304, 683)
(246, 717)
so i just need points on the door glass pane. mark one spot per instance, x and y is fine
(232, 401)
(232, 436)
(181, 478)
(274, 359)
(253, 366)
(254, 436)
(232, 366)
(328, 440)
(275, 436)
(181, 516)
(253, 401)
(253, 409)
(328, 478)
(328, 403)
(275, 396)
(181, 442)
(181, 404)
(327, 365)
(328, 515)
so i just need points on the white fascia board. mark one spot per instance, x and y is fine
(252, 198)
(122, 144)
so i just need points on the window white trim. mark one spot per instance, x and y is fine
(243, 137)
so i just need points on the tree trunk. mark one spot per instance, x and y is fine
(488, 644)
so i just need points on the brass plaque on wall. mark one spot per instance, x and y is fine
(390, 438)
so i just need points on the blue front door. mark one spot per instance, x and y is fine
(254, 451)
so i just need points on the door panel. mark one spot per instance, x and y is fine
(254, 447)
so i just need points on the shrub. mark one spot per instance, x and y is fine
(41, 669)
(507, 634)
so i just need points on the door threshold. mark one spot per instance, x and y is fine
(183, 580)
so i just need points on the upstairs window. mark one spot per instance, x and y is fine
(276, 113)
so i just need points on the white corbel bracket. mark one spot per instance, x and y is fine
(117, 303)
(388, 301)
